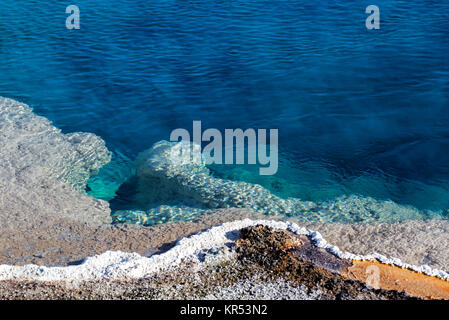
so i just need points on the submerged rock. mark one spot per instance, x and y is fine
(43, 171)
(165, 176)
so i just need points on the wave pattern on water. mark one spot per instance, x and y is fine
(360, 112)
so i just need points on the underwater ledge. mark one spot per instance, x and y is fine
(47, 220)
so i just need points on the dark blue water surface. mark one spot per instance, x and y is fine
(359, 111)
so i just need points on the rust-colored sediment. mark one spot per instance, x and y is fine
(399, 279)
(300, 260)
(297, 259)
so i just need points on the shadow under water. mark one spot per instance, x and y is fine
(164, 190)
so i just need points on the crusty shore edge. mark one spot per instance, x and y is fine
(121, 265)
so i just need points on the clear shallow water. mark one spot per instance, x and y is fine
(359, 112)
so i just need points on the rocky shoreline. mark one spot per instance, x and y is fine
(267, 264)
(260, 259)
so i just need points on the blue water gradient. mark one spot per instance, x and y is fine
(359, 111)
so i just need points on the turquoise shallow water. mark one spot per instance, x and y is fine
(359, 112)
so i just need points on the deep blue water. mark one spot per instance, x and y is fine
(359, 111)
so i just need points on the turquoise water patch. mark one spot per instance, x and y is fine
(316, 182)
(107, 182)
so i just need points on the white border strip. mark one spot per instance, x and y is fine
(120, 265)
